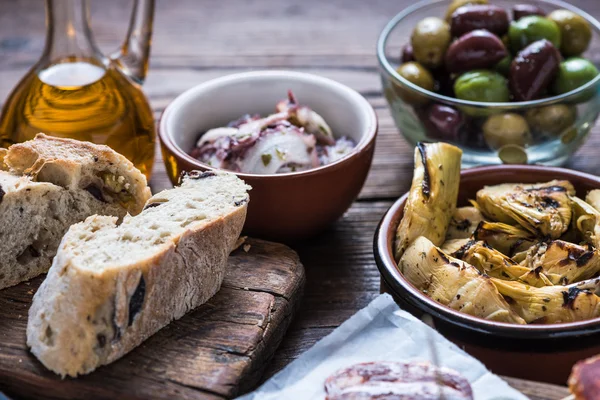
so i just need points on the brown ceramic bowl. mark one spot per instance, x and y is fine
(536, 352)
(282, 206)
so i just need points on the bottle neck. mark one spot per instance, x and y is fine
(68, 34)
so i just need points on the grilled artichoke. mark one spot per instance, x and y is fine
(495, 264)
(541, 208)
(453, 245)
(563, 262)
(549, 304)
(463, 223)
(586, 219)
(593, 198)
(432, 198)
(507, 239)
(593, 285)
(453, 282)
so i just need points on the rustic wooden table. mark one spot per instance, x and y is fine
(198, 40)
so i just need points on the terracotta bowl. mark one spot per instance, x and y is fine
(282, 206)
(536, 352)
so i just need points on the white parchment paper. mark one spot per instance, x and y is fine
(379, 332)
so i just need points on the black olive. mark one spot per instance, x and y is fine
(196, 175)
(240, 202)
(152, 205)
(101, 340)
(96, 192)
(33, 251)
(137, 300)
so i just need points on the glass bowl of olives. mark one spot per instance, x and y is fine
(507, 81)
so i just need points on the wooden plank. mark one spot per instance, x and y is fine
(216, 351)
(538, 391)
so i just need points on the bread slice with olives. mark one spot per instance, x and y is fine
(48, 184)
(112, 286)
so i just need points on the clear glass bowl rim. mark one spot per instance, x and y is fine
(397, 78)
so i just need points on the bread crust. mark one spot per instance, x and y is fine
(82, 318)
(48, 184)
(74, 165)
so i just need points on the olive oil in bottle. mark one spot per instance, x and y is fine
(77, 92)
(84, 101)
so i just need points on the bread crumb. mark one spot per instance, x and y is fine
(241, 240)
(247, 247)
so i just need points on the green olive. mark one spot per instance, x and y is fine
(530, 29)
(415, 73)
(552, 120)
(506, 41)
(503, 129)
(573, 73)
(503, 65)
(430, 40)
(512, 154)
(575, 32)
(459, 3)
(569, 136)
(481, 85)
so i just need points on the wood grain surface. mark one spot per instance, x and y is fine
(198, 40)
(217, 351)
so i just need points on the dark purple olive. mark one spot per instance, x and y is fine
(443, 82)
(523, 10)
(407, 54)
(474, 50)
(442, 122)
(479, 16)
(471, 136)
(533, 69)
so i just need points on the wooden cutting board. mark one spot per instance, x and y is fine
(217, 351)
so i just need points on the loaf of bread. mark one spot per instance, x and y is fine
(46, 185)
(112, 286)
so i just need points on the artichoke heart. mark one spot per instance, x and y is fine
(453, 245)
(507, 239)
(563, 262)
(592, 285)
(541, 208)
(432, 198)
(549, 304)
(586, 219)
(454, 283)
(463, 223)
(495, 264)
(592, 198)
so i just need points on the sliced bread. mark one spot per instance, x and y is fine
(112, 286)
(46, 185)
